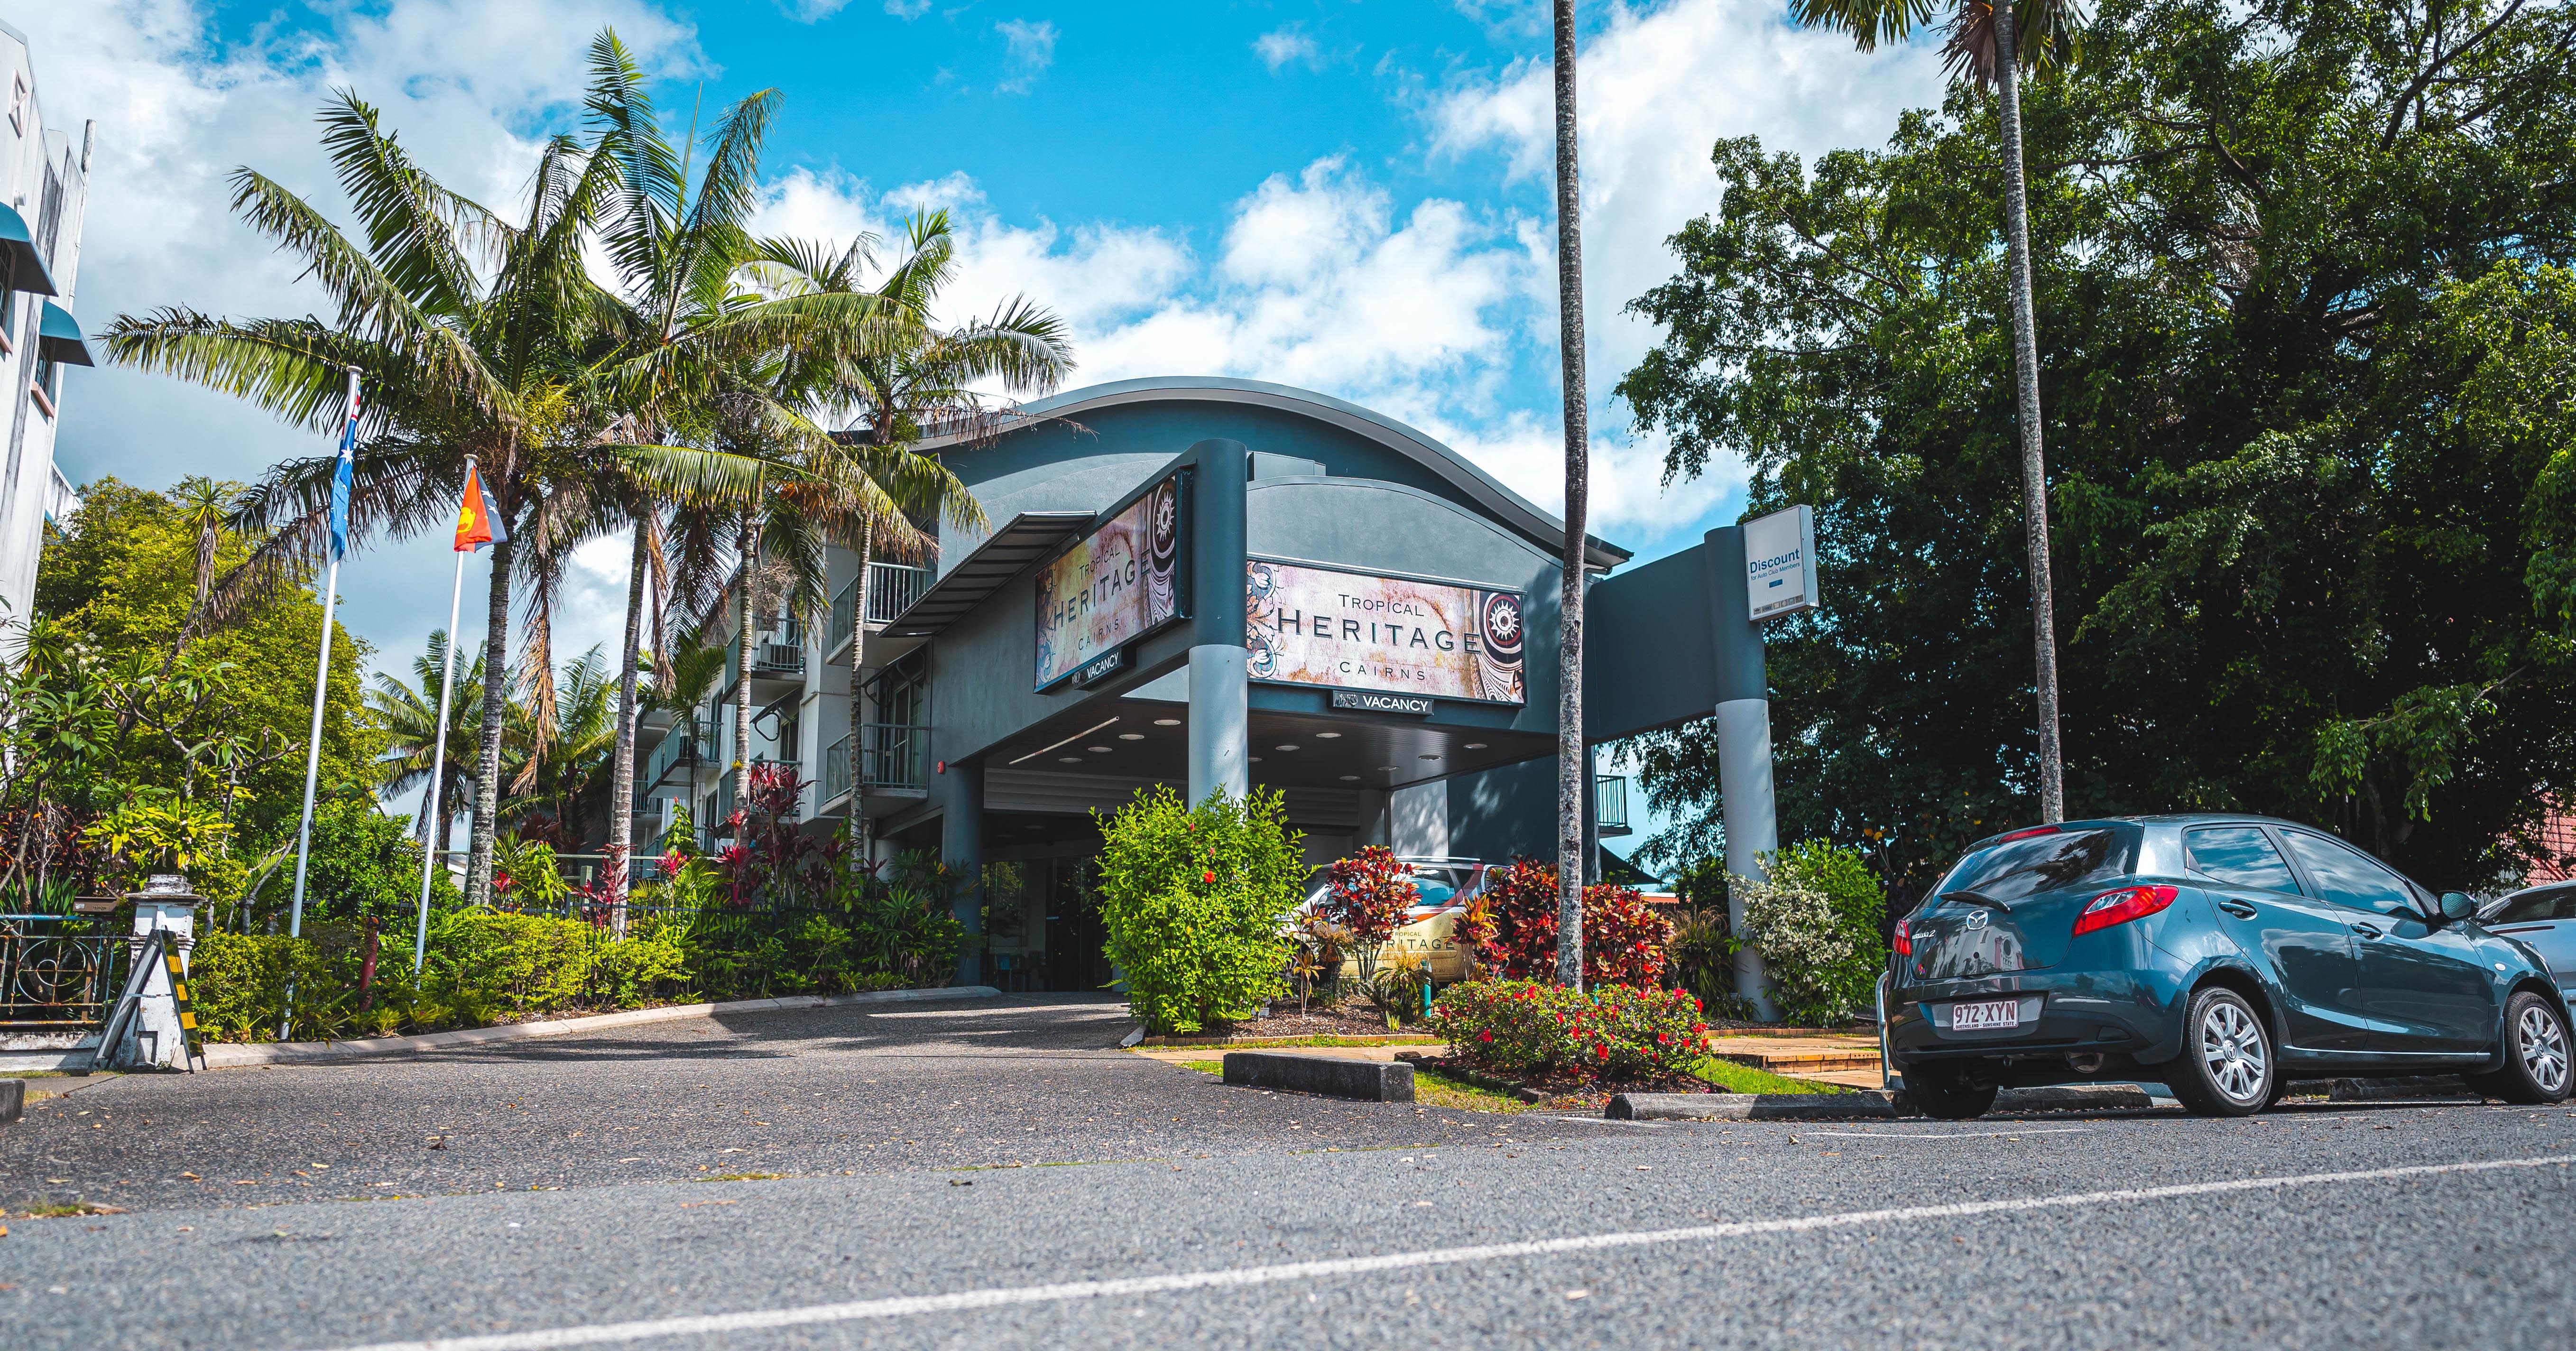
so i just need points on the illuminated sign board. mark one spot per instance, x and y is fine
(1311, 625)
(1124, 581)
(1780, 563)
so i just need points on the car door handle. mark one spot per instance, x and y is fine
(2367, 930)
(2239, 909)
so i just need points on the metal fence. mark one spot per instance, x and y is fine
(57, 972)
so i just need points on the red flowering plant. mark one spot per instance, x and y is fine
(1366, 896)
(1511, 927)
(1614, 1033)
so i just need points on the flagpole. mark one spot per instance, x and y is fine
(438, 762)
(313, 744)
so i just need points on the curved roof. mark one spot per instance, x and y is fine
(1478, 486)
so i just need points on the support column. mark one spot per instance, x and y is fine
(961, 847)
(1745, 801)
(1220, 683)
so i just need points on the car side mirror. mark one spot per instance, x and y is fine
(2457, 905)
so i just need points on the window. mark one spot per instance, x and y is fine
(18, 102)
(2534, 907)
(2239, 854)
(2006, 872)
(2345, 876)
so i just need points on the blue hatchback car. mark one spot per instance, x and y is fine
(2223, 956)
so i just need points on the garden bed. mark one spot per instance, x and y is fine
(1712, 1075)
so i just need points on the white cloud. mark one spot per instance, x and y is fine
(1285, 45)
(815, 11)
(1031, 51)
(906, 9)
(1658, 87)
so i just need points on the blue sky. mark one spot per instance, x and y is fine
(1347, 195)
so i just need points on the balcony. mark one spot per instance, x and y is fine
(835, 778)
(778, 652)
(669, 755)
(892, 588)
(894, 755)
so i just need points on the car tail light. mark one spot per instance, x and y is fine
(2025, 834)
(1904, 941)
(2119, 907)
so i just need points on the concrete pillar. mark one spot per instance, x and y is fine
(1745, 801)
(961, 847)
(1220, 662)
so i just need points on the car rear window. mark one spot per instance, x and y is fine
(2534, 907)
(2006, 872)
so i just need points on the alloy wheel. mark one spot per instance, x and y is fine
(2543, 1044)
(2232, 1046)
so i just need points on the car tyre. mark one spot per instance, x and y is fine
(2227, 1066)
(2537, 1066)
(1953, 1091)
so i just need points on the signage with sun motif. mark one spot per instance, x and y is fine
(1124, 581)
(1311, 625)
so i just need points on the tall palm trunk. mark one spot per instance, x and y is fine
(742, 696)
(2034, 469)
(1570, 750)
(621, 782)
(496, 705)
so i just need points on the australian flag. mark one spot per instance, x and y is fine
(341, 476)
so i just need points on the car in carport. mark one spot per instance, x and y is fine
(2224, 956)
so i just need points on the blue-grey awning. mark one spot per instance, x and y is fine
(25, 267)
(58, 337)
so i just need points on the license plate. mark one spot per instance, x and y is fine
(1991, 1013)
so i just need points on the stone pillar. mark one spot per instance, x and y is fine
(1743, 747)
(163, 906)
(1220, 684)
(961, 847)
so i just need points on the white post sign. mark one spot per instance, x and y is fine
(1780, 563)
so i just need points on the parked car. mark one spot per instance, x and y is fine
(2543, 917)
(2221, 955)
(1442, 887)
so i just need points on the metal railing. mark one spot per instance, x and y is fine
(845, 611)
(894, 755)
(778, 650)
(1610, 805)
(892, 588)
(57, 972)
(835, 776)
(669, 755)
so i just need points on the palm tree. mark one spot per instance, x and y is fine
(472, 335)
(695, 672)
(1990, 41)
(408, 714)
(554, 772)
(1571, 753)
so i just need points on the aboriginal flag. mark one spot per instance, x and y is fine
(476, 523)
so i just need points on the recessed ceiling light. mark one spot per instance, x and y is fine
(1256, 759)
(1475, 745)
(1097, 750)
(1328, 736)
(1426, 756)
(1131, 736)
(1068, 759)
(1283, 748)
(1350, 778)
(1386, 769)
(1167, 722)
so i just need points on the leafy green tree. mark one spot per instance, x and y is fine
(121, 586)
(2300, 278)
(1196, 900)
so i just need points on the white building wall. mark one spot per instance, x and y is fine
(44, 175)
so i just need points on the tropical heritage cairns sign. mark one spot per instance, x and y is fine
(1119, 584)
(1319, 626)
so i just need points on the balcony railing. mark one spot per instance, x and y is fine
(892, 588)
(669, 755)
(1610, 805)
(778, 650)
(894, 755)
(845, 610)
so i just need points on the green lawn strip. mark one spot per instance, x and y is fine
(1203, 1066)
(1735, 1078)
(1439, 1090)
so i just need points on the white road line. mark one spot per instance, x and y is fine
(907, 1306)
(1949, 1135)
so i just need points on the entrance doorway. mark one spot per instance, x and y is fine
(1043, 931)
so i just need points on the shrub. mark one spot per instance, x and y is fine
(1816, 921)
(1511, 927)
(1195, 899)
(1532, 1028)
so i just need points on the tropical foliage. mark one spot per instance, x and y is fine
(1511, 927)
(1197, 901)
(1541, 1030)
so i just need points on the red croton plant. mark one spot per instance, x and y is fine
(1368, 894)
(1511, 927)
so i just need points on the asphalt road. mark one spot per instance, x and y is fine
(1191, 1214)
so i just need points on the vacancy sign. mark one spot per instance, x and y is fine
(1780, 563)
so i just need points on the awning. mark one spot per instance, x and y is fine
(1021, 541)
(58, 337)
(18, 248)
